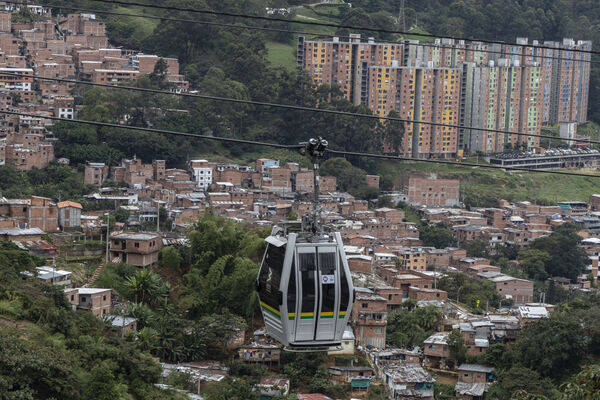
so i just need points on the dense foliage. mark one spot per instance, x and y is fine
(547, 352)
(409, 326)
(215, 293)
(55, 181)
(50, 351)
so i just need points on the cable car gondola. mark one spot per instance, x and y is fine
(304, 283)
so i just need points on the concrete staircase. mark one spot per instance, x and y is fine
(96, 274)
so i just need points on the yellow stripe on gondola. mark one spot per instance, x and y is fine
(342, 314)
(269, 308)
(328, 314)
(306, 315)
(291, 315)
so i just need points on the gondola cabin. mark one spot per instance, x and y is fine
(305, 289)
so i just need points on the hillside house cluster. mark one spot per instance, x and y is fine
(74, 46)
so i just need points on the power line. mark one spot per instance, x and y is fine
(331, 25)
(281, 30)
(448, 162)
(155, 130)
(291, 147)
(294, 107)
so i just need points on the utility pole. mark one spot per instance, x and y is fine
(157, 216)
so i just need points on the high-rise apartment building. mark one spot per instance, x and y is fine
(570, 81)
(341, 63)
(419, 94)
(507, 88)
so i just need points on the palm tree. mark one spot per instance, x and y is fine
(147, 339)
(144, 284)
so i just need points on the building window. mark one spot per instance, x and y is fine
(379, 330)
(365, 305)
(72, 297)
(136, 244)
(104, 298)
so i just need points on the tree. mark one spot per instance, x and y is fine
(437, 237)
(456, 345)
(475, 248)
(534, 263)
(104, 385)
(520, 378)
(121, 215)
(583, 386)
(146, 287)
(552, 346)
(410, 327)
(348, 177)
(385, 201)
(567, 258)
(170, 258)
(292, 216)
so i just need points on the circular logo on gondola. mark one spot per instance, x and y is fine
(328, 279)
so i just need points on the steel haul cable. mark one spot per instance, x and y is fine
(280, 30)
(294, 107)
(331, 25)
(294, 147)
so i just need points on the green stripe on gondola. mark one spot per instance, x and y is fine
(270, 309)
(291, 316)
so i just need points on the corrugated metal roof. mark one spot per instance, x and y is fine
(475, 368)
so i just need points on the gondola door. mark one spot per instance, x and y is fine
(328, 278)
(307, 305)
(317, 289)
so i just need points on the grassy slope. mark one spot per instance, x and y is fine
(496, 184)
(282, 55)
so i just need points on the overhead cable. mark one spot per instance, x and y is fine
(293, 147)
(327, 24)
(282, 30)
(294, 107)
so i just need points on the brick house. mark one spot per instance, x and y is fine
(359, 263)
(69, 214)
(36, 212)
(519, 290)
(435, 348)
(412, 279)
(422, 294)
(432, 192)
(392, 294)
(473, 381)
(95, 173)
(139, 249)
(122, 325)
(327, 184)
(369, 317)
(98, 301)
(372, 181)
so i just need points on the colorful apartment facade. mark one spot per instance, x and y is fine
(497, 88)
